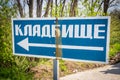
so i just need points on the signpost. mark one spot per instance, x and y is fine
(78, 39)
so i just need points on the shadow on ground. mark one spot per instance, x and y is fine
(115, 69)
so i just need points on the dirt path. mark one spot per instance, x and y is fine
(109, 72)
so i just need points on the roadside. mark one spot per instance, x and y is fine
(44, 70)
(109, 72)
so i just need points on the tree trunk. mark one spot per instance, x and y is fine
(51, 8)
(73, 8)
(63, 7)
(30, 5)
(20, 8)
(106, 5)
(39, 8)
(99, 6)
(47, 8)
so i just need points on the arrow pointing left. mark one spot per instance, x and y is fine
(25, 44)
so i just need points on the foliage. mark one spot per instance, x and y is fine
(14, 73)
(115, 33)
(114, 49)
(11, 67)
(62, 66)
(115, 29)
(92, 8)
(6, 13)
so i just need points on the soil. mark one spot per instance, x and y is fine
(115, 59)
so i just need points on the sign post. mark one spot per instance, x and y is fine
(77, 39)
(58, 52)
(55, 69)
(58, 49)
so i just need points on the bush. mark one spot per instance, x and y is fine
(114, 29)
(14, 73)
(114, 49)
(114, 35)
(11, 67)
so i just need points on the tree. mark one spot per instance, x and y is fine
(51, 8)
(6, 13)
(106, 6)
(20, 8)
(73, 8)
(92, 7)
(30, 5)
(47, 8)
(114, 8)
(39, 8)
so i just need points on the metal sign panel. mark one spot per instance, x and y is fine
(83, 39)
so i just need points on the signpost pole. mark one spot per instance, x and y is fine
(55, 69)
(58, 53)
(58, 50)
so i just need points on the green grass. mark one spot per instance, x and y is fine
(14, 73)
